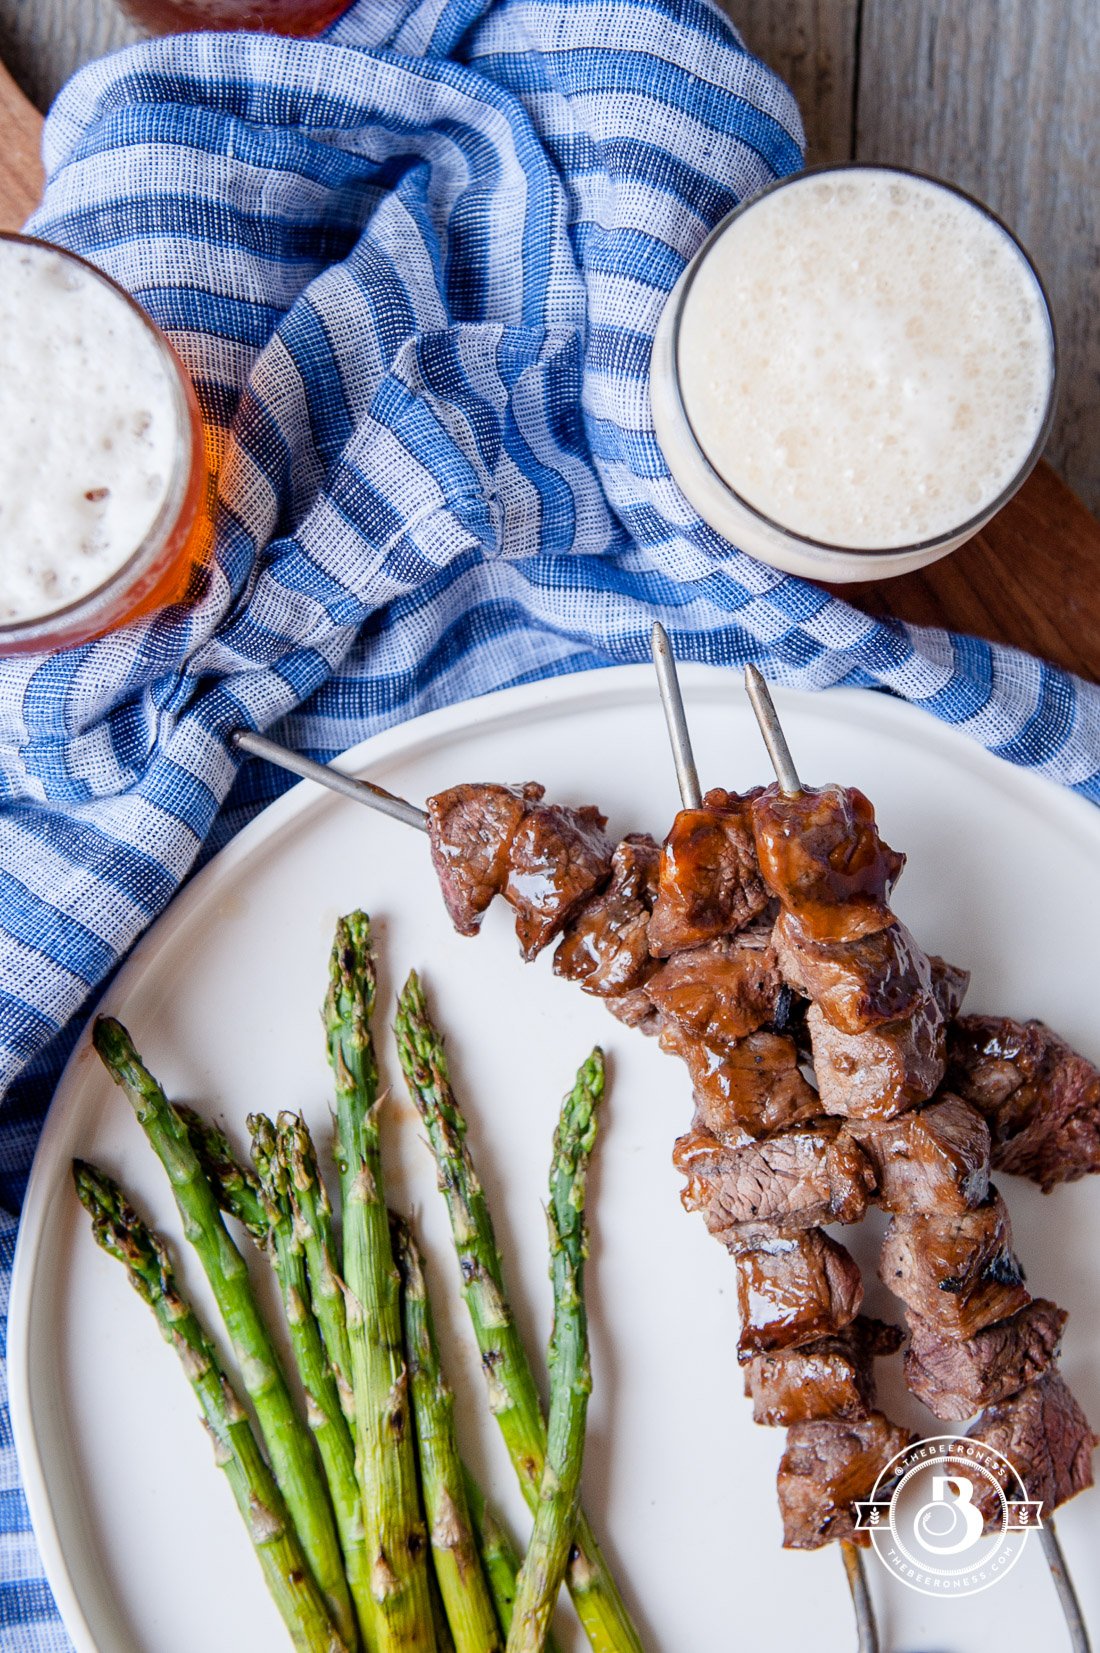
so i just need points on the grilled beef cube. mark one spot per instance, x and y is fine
(956, 1270)
(791, 1287)
(880, 977)
(606, 948)
(1042, 1099)
(828, 1465)
(754, 1086)
(470, 830)
(636, 1009)
(801, 1177)
(956, 1379)
(821, 854)
(1046, 1438)
(949, 985)
(832, 1378)
(558, 859)
(720, 991)
(934, 1158)
(709, 882)
(880, 1073)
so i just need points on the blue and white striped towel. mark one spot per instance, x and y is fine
(415, 270)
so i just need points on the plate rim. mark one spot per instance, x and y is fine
(542, 698)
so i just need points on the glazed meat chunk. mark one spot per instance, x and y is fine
(753, 1087)
(558, 859)
(934, 1158)
(880, 1073)
(949, 985)
(956, 1378)
(831, 1378)
(470, 830)
(821, 854)
(827, 1467)
(956, 1271)
(791, 1288)
(879, 977)
(606, 948)
(709, 883)
(798, 1178)
(1042, 1099)
(720, 991)
(1046, 1438)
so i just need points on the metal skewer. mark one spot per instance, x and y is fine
(363, 792)
(686, 774)
(787, 775)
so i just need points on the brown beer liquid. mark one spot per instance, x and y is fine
(296, 17)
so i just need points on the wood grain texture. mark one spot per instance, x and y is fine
(20, 161)
(1000, 96)
(811, 43)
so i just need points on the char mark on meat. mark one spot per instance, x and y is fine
(792, 1287)
(955, 1270)
(956, 1378)
(606, 947)
(799, 1178)
(754, 1086)
(721, 991)
(709, 884)
(830, 1378)
(879, 977)
(820, 852)
(828, 1466)
(933, 1158)
(1046, 1438)
(1041, 1098)
(880, 1073)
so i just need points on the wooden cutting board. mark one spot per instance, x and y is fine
(1031, 578)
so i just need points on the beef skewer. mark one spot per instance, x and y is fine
(687, 775)
(1032, 1392)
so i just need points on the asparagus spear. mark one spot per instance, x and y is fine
(513, 1397)
(313, 1221)
(121, 1233)
(499, 1556)
(289, 1444)
(259, 1199)
(385, 1453)
(570, 1369)
(462, 1584)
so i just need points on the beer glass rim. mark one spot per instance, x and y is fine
(969, 526)
(93, 606)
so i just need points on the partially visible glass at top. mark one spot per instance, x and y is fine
(301, 17)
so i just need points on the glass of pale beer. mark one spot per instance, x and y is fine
(855, 371)
(102, 468)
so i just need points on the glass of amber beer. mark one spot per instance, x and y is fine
(102, 466)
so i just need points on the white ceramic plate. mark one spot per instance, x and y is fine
(141, 1540)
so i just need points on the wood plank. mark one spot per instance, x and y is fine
(20, 159)
(811, 43)
(1031, 578)
(1000, 97)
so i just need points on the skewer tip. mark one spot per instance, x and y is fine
(772, 730)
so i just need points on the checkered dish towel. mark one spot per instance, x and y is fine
(415, 270)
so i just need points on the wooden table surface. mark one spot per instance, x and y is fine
(1031, 578)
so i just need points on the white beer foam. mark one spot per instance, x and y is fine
(90, 427)
(865, 359)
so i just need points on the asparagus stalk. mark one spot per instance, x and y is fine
(462, 1583)
(121, 1233)
(313, 1222)
(570, 1369)
(513, 1397)
(499, 1556)
(385, 1452)
(290, 1447)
